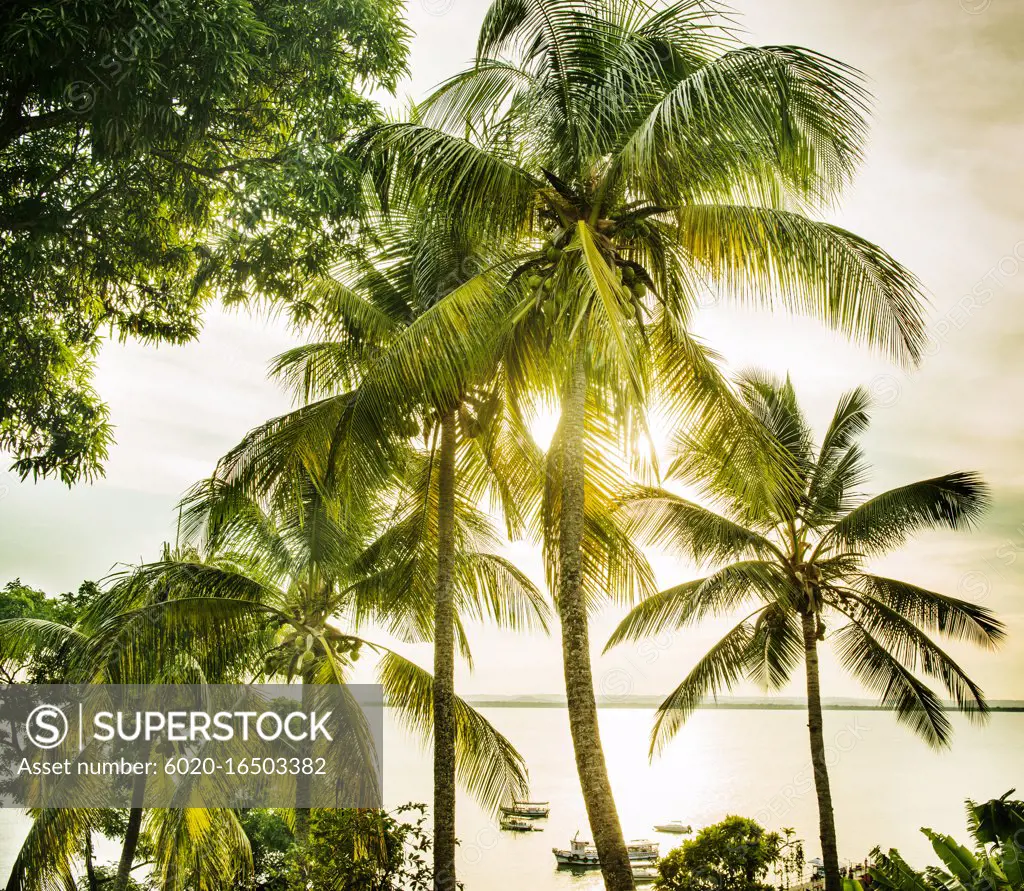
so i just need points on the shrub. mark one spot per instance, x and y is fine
(733, 855)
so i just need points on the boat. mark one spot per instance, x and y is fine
(643, 873)
(676, 827)
(518, 824)
(583, 853)
(532, 809)
(642, 849)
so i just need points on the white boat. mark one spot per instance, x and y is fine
(677, 827)
(642, 874)
(526, 809)
(518, 824)
(583, 853)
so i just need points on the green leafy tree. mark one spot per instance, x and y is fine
(364, 850)
(733, 855)
(153, 155)
(994, 863)
(358, 850)
(796, 564)
(643, 156)
(270, 839)
(18, 601)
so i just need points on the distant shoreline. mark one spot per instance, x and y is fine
(643, 702)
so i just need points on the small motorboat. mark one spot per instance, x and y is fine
(644, 874)
(518, 824)
(584, 854)
(675, 827)
(532, 809)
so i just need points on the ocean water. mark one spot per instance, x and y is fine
(754, 762)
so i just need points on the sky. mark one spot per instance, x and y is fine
(940, 189)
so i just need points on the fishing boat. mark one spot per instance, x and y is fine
(532, 809)
(583, 853)
(518, 824)
(676, 827)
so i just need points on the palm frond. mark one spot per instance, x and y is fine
(954, 501)
(754, 122)
(46, 859)
(486, 762)
(770, 257)
(475, 95)
(949, 616)
(670, 521)
(489, 586)
(201, 848)
(413, 162)
(716, 672)
(24, 640)
(727, 589)
(666, 610)
(721, 448)
(915, 705)
(776, 647)
(917, 652)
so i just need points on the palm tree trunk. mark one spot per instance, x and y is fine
(444, 665)
(826, 818)
(303, 782)
(131, 835)
(90, 863)
(579, 679)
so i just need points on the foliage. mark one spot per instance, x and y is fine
(419, 281)
(284, 594)
(270, 839)
(996, 862)
(152, 155)
(18, 601)
(783, 558)
(642, 157)
(347, 850)
(363, 850)
(792, 861)
(103, 876)
(372, 394)
(733, 855)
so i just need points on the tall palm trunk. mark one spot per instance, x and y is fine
(444, 665)
(826, 819)
(579, 679)
(90, 863)
(131, 835)
(304, 782)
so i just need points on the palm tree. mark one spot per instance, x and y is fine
(190, 848)
(644, 155)
(385, 367)
(261, 599)
(270, 589)
(797, 565)
(204, 847)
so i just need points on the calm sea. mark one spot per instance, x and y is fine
(754, 762)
